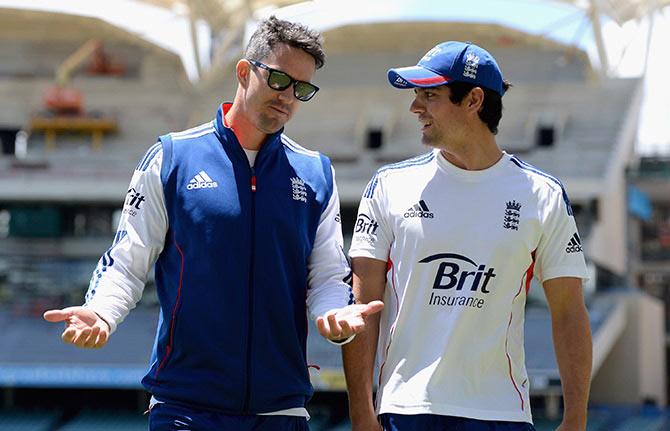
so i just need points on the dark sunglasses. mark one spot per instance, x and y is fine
(280, 81)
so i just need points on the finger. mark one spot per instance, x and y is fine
(347, 330)
(89, 342)
(335, 329)
(69, 334)
(322, 326)
(56, 315)
(81, 337)
(102, 338)
(372, 307)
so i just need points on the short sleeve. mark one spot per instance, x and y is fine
(560, 251)
(373, 235)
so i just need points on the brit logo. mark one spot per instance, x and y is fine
(400, 81)
(201, 181)
(458, 279)
(419, 210)
(366, 229)
(512, 214)
(471, 66)
(133, 201)
(366, 225)
(575, 244)
(299, 189)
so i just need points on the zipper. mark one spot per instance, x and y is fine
(252, 268)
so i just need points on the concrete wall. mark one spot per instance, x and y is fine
(635, 369)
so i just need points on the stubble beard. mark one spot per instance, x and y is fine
(269, 124)
(431, 140)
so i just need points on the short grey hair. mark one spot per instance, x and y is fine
(272, 31)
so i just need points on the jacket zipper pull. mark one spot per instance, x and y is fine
(253, 180)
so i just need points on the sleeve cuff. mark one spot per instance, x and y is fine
(341, 342)
(104, 316)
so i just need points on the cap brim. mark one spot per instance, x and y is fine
(415, 76)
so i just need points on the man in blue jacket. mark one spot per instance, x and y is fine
(242, 225)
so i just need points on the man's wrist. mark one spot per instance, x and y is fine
(341, 341)
(577, 422)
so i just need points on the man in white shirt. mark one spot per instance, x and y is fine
(450, 241)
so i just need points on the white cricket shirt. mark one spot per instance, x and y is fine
(462, 248)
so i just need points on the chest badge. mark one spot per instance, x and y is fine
(299, 190)
(512, 214)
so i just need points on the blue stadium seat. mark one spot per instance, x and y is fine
(27, 421)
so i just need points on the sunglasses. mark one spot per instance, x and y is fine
(280, 81)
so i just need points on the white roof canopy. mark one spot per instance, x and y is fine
(620, 11)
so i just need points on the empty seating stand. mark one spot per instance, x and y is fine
(51, 126)
(28, 420)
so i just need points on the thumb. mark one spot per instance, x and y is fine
(58, 315)
(373, 307)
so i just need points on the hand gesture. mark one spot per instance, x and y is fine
(83, 327)
(342, 323)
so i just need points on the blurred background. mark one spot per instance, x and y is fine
(87, 86)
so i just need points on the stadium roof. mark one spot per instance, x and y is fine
(227, 16)
(620, 11)
(226, 11)
(39, 25)
(219, 13)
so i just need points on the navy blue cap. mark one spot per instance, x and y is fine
(449, 62)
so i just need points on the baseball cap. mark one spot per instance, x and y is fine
(449, 62)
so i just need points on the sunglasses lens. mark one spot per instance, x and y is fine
(278, 81)
(304, 90)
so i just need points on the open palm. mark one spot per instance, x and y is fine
(346, 321)
(83, 327)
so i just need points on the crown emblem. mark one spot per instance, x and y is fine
(513, 205)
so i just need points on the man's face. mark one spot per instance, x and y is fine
(441, 120)
(270, 109)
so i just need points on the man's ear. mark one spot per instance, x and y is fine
(243, 71)
(475, 99)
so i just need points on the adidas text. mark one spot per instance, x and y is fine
(573, 249)
(420, 210)
(202, 185)
(201, 181)
(421, 214)
(575, 244)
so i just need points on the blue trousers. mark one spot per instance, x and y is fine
(170, 417)
(396, 422)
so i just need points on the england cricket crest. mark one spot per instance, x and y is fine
(512, 214)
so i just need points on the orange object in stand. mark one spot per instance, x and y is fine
(64, 101)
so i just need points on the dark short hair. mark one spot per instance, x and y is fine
(272, 31)
(491, 110)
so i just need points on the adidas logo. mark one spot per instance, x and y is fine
(201, 181)
(575, 244)
(419, 210)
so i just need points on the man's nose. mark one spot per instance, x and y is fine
(286, 95)
(416, 107)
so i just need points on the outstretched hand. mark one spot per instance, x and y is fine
(83, 327)
(342, 323)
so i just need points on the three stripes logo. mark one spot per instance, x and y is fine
(201, 181)
(106, 261)
(419, 210)
(575, 244)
